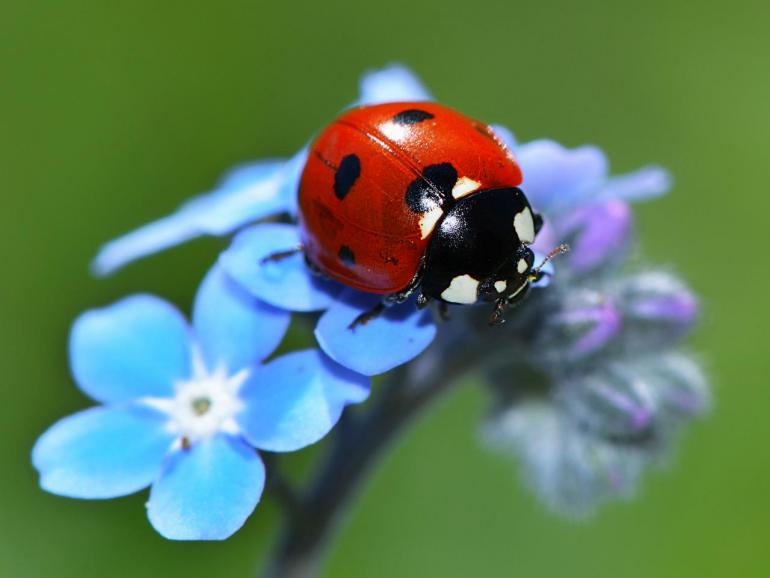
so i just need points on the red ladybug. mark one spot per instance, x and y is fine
(414, 196)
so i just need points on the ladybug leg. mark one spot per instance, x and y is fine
(390, 300)
(496, 318)
(407, 292)
(367, 316)
(314, 269)
(281, 255)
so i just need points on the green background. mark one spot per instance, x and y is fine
(112, 113)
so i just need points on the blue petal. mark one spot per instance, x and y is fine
(232, 327)
(556, 178)
(290, 177)
(286, 283)
(295, 400)
(134, 348)
(400, 334)
(248, 193)
(248, 173)
(102, 452)
(206, 492)
(394, 83)
(646, 183)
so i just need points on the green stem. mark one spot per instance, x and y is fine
(406, 391)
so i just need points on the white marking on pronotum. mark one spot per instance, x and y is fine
(428, 221)
(500, 286)
(522, 265)
(524, 225)
(464, 186)
(463, 289)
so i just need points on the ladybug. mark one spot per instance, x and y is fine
(414, 197)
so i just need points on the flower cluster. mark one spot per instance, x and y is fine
(578, 395)
(595, 391)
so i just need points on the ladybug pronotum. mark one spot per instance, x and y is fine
(413, 197)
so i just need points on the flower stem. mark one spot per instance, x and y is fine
(406, 391)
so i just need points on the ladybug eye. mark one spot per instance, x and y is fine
(491, 289)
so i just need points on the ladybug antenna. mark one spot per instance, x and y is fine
(563, 248)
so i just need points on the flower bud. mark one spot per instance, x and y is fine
(680, 388)
(571, 470)
(598, 234)
(657, 308)
(587, 322)
(613, 401)
(638, 399)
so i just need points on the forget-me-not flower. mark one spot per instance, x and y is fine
(186, 408)
(590, 388)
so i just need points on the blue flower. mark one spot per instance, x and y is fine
(185, 407)
(572, 188)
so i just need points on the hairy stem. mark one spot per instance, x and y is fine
(406, 391)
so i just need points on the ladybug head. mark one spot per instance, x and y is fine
(478, 251)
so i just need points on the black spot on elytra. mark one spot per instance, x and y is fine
(433, 189)
(411, 116)
(347, 174)
(346, 255)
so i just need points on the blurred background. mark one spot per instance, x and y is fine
(112, 113)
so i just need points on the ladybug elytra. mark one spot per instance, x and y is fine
(405, 198)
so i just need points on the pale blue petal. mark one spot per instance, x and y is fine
(399, 335)
(548, 271)
(207, 492)
(556, 177)
(134, 348)
(233, 328)
(102, 452)
(295, 400)
(646, 183)
(248, 193)
(505, 135)
(394, 83)
(248, 173)
(290, 177)
(547, 239)
(286, 283)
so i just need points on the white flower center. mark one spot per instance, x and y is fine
(204, 405)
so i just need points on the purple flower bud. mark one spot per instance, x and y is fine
(657, 307)
(586, 324)
(568, 467)
(637, 399)
(614, 402)
(598, 234)
(680, 387)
